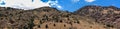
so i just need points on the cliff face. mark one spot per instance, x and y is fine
(46, 18)
(107, 15)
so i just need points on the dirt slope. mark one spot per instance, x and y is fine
(109, 15)
(45, 18)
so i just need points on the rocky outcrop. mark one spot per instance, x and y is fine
(108, 15)
(45, 18)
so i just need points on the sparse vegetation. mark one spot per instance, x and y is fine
(47, 18)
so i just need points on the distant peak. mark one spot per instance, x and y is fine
(46, 9)
(91, 6)
(96, 7)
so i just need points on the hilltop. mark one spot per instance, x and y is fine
(47, 18)
(109, 15)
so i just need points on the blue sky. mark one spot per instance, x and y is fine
(67, 5)
(73, 6)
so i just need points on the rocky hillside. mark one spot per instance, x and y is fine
(46, 18)
(109, 15)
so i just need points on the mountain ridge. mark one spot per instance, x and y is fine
(107, 15)
(46, 18)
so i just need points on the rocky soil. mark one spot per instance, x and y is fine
(51, 18)
(110, 15)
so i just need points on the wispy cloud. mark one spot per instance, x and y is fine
(59, 6)
(54, 4)
(75, 1)
(89, 0)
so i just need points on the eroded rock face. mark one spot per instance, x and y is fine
(45, 18)
(108, 15)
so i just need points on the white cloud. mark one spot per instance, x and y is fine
(59, 6)
(75, 0)
(24, 4)
(29, 4)
(89, 0)
(54, 4)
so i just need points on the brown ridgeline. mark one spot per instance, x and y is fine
(108, 15)
(88, 17)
